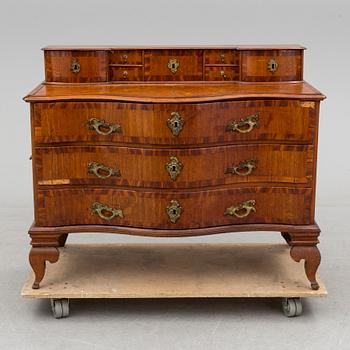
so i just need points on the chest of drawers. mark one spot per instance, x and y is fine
(174, 141)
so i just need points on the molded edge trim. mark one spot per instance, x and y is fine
(305, 229)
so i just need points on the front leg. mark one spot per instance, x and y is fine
(37, 258)
(312, 258)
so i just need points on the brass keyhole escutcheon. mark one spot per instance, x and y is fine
(173, 65)
(174, 210)
(173, 167)
(75, 66)
(272, 65)
(175, 123)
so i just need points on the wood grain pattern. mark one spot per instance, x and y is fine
(93, 66)
(147, 209)
(125, 73)
(254, 65)
(221, 73)
(142, 167)
(174, 92)
(124, 57)
(280, 121)
(190, 65)
(220, 57)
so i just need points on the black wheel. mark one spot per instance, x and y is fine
(292, 307)
(60, 308)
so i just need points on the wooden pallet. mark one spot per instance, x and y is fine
(173, 271)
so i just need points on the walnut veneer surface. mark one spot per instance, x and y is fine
(174, 141)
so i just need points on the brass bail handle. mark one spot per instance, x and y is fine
(244, 125)
(241, 210)
(102, 171)
(244, 168)
(98, 125)
(105, 212)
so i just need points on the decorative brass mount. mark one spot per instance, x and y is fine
(175, 123)
(110, 213)
(272, 65)
(173, 167)
(244, 125)
(173, 65)
(98, 125)
(102, 171)
(241, 210)
(174, 210)
(244, 168)
(75, 66)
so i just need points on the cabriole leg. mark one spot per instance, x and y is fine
(37, 258)
(312, 258)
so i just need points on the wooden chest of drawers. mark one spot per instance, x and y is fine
(174, 141)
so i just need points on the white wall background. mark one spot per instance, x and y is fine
(322, 26)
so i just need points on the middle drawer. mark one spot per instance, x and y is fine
(174, 168)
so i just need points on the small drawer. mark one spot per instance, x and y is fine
(221, 57)
(76, 66)
(173, 65)
(221, 73)
(272, 65)
(173, 168)
(125, 73)
(173, 209)
(125, 57)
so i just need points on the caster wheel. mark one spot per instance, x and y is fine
(292, 307)
(60, 308)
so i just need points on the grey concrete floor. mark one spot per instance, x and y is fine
(176, 323)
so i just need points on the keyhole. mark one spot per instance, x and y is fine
(173, 168)
(173, 66)
(175, 124)
(174, 211)
(273, 66)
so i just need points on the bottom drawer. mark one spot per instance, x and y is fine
(173, 210)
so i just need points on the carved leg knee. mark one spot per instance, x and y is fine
(37, 259)
(312, 258)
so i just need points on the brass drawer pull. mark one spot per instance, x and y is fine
(174, 210)
(244, 125)
(241, 210)
(244, 168)
(175, 123)
(173, 167)
(110, 213)
(222, 58)
(102, 171)
(99, 125)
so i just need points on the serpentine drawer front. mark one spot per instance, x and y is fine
(148, 209)
(174, 168)
(175, 124)
(174, 141)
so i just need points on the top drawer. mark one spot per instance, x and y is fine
(173, 65)
(76, 66)
(175, 124)
(272, 65)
